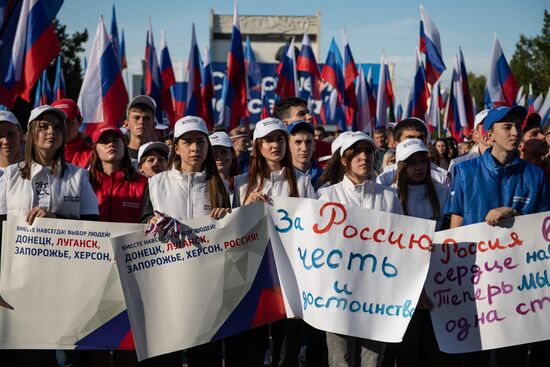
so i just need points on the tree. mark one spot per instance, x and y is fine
(477, 88)
(71, 48)
(531, 60)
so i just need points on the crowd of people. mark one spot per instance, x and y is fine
(128, 174)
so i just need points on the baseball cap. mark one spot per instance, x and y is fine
(480, 117)
(161, 126)
(408, 147)
(353, 138)
(99, 132)
(153, 145)
(142, 99)
(268, 125)
(220, 139)
(39, 111)
(8, 116)
(299, 125)
(188, 124)
(499, 113)
(337, 143)
(533, 120)
(69, 107)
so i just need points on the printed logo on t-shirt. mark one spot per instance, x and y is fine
(129, 204)
(71, 198)
(41, 188)
(521, 199)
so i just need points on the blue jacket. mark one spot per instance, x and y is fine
(482, 184)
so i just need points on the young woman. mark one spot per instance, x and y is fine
(358, 188)
(388, 159)
(420, 197)
(226, 160)
(270, 174)
(191, 187)
(443, 150)
(153, 158)
(118, 187)
(44, 185)
(334, 171)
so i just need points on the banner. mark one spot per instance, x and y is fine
(349, 270)
(490, 285)
(59, 276)
(217, 279)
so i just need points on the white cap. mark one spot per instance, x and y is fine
(7, 116)
(337, 143)
(188, 124)
(268, 125)
(353, 138)
(142, 99)
(39, 111)
(407, 148)
(162, 126)
(480, 117)
(220, 139)
(153, 145)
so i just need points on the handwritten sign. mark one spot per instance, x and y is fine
(491, 286)
(59, 276)
(349, 270)
(216, 280)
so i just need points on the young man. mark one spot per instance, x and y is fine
(292, 109)
(140, 122)
(380, 137)
(301, 141)
(533, 147)
(10, 140)
(240, 138)
(482, 143)
(497, 185)
(77, 150)
(406, 129)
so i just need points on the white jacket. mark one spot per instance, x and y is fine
(276, 186)
(438, 175)
(419, 204)
(368, 195)
(70, 196)
(181, 195)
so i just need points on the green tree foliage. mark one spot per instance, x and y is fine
(477, 88)
(71, 48)
(531, 60)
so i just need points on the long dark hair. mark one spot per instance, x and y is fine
(126, 166)
(217, 193)
(31, 153)
(402, 179)
(334, 171)
(259, 168)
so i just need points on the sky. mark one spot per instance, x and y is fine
(372, 27)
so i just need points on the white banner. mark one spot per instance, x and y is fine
(217, 280)
(59, 276)
(349, 270)
(490, 286)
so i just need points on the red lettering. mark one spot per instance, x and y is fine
(334, 206)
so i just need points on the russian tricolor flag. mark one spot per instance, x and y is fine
(28, 45)
(253, 73)
(59, 83)
(385, 97)
(287, 84)
(530, 100)
(193, 100)
(43, 94)
(502, 86)
(103, 97)
(434, 115)
(350, 74)
(207, 89)
(166, 70)
(306, 65)
(234, 99)
(468, 101)
(114, 34)
(430, 45)
(333, 75)
(455, 114)
(363, 121)
(419, 93)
